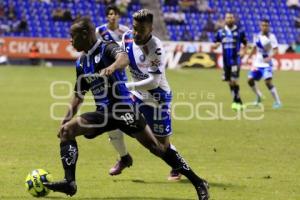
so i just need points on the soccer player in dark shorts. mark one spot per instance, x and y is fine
(98, 70)
(231, 38)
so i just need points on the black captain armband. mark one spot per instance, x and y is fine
(112, 49)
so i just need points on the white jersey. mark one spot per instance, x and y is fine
(104, 33)
(264, 46)
(146, 59)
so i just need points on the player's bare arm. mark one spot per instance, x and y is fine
(271, 56)
(74, 106)
(251, 53)
(243, 50)
(216, 45)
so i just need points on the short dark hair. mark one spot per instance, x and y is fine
(265, 20)
(112, 7)
(85, 23)
(143, 15)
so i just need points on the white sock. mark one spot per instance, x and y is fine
(275, 95)
(116, 138)
(256, 91)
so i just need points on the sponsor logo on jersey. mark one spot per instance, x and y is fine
(97, 58)
(142, 58)
(155, 63)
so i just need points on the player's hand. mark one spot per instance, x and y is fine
(242, 53)
(108, 71)
(61, 128)
(60, 131)
(248, 61)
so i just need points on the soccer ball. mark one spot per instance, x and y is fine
(34, 182)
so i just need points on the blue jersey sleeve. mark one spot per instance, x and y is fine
(243, 38)
(81, 86)
(217, 37)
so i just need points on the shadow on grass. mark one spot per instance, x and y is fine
(141, 181)
(183, 181)
(224, 185)
(135, 198)
(97, 198)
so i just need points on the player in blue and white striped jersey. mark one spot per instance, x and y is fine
(112, 30)
(265, 46)
(151, 91)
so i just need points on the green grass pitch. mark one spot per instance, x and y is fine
(242, 159)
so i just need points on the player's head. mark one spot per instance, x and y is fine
(229, 19)
(112, 14)
(265, 26)
(142, 26)
(82, 34)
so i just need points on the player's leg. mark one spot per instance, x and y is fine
(69, 150)
(165, 141)
(273, 91)
(159, 120)
(234, 77)
(133, 123)
(116, 138)
(237, 103)
(231, 75)
(226, 77)
(174, 160)
(255, 75)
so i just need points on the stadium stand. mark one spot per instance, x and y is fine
(282, 18)
(185, 19)
(42, 23)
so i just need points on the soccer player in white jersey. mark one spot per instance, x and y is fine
(266, 46)
(150, 88)
(151, 93)
(113, 31)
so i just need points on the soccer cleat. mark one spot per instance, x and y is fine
(277, 105)
(202, 190)
(233, 106)
(174, 175)
(237, 106)
(126, 161)
(258, 100)
(69, 188)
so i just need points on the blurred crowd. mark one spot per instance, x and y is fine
(295, 5)
(13, 22)
(10, 21)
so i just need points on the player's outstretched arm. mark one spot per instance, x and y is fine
(149, 83)
(121, 59)
(121, 62)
